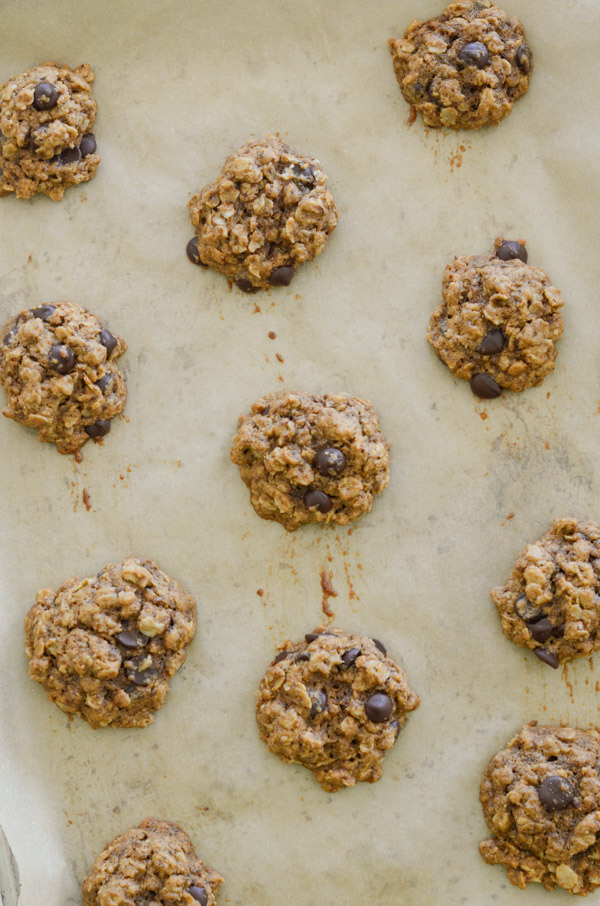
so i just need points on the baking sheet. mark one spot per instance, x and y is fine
(179, 86)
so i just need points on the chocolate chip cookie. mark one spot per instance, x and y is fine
(499, 321)
(46, 138)
(551, 600)
(152, 864)
(541, 800)
(58, 365)
(105, 647)
(308, 457)
(269, 211)
(465, 68)
(334, 703)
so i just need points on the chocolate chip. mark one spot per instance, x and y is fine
(319, 703)
(199, 894)
(108, 341)
(485, 387)
(311, 636)
(69, 156)
(318, 499)
(45, 96)
(395, 726)
(87, 145)
(131, 639)
(493, 342)
(98, 429)
(62, 359)
(330, 461)
(192, 252)
(246, 286)
(379, 645)
(282, 276)
(378, 707)
(301, 656)
(104, 381)
(541, 630)
(548, 657)
(142, 677)
(474, 54)
(526, 610)
(524, 58)
(304, 174)
(44, 312)
(556, 793)
(9, 335)
(559, 631)
(280, 657)
(350, 656)
(509, 249)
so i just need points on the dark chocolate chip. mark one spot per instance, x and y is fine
(131, 639)
(69, 156)
(311, 636)
(474, 54)
(541, 630)
(199, 894)
(246, 286)
(305, 174)
(108, 341)
(559, 631)
(485, 387)
(192, 252)
(142, 677)
(526, 610)
(350, 656)
(395, 726)
(509, 249)
(45, 96)
(282, 276)
(548, 657)
(280, 657)
(524, 58)
(556, 793)
(44, 312)
(104, 381)
(62, 359)
(301, 656)
(330, 461)
(493, 342)
(379, 645)
(98, 429)
(319, 703)
(378, 707)
(87, 145)
(9, 335)
(318, 499)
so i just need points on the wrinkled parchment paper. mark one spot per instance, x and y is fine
(179, 86)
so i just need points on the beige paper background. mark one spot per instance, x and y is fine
(179, 86)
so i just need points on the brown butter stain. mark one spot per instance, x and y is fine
(256, 309)
(412, 116)
(483, 415)
(279, 357)
(77, 456)
(85, 496)
(510, 516)
(272, 335)
(328, 592)
(568, 683)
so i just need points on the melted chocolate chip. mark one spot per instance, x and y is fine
(62, 359)
(318, 499)
(192, 252)
(87, 145)
(104, 381)
(526, 610)
(541, 630)
(524, 58)
(379, 645)
(319, 703)
(485, 387)
(509, 249)
(311, 636)
(44, 312)
(246, 286)
(301, 656)
(45, 96)
(9, 335)
(131, 640)
(108, 341)
(280, 657)
(548, 657)
(378, 707)
(282, 276)
(69, 156)
(141, 676)
(350, 656)
(98, 429)
(395, 726)
(493, 342)
(474, 54)
(556, 793)
(304, 174)
(330, 461)
(199, 894)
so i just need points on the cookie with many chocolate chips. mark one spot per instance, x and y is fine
(498, 322)
(541, 800)
(551, 600)
(154, 863)
(105, 647)
(465, 68)
(46, 138)
(269, 211)
(310, 457)
(334, 703)
(58, 365)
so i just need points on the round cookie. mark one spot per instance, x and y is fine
(154, 863)
(46, 139)
(334, 703)
(499, 321)
(58, 367)
(551, 600)
(465, 68)
(541, 800)
(269, 211)
(105, 647)
(310, 457)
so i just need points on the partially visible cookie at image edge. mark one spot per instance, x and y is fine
(46, 139)
(268, 212)
(465, 68)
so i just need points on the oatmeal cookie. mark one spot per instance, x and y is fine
(58, 365)
(46, 138)
(499, 321)
(269, 211)
(334, 703)
(541, 801)
(154, 863)
(106, 647)
(465, 68)
(311, 458)
(551, 600)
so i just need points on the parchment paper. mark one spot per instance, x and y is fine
(179, 86)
